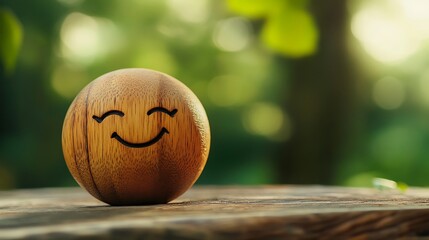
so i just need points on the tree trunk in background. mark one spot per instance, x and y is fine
(319, 101)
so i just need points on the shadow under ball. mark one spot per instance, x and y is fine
(136, 136)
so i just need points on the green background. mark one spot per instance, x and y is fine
(309, 92)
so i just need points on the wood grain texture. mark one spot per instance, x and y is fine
(266, 212)
(136, 136)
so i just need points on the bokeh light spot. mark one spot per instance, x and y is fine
(155, 56)
(389, 93)
(416, 11)
(232, 34)
(265, 119)
(189, 10)
(391, 30)
(67, 81)
(85, 38)
(386, 38)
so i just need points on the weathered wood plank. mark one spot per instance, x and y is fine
(209, 212)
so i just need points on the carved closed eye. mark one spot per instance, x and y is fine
(163, 110)
(121, 114)
(106, 114)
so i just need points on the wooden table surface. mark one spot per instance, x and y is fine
(215, 212)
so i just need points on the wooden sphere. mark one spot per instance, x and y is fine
(136, 136)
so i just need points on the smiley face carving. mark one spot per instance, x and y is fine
(137, 145)
(136, 136)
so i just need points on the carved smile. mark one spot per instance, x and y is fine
(140, 145)
(122, 114)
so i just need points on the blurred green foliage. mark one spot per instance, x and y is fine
(289, 27)
(68, 43)
(268, 104)
(10, 39)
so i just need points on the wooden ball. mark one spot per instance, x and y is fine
(136, 136)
